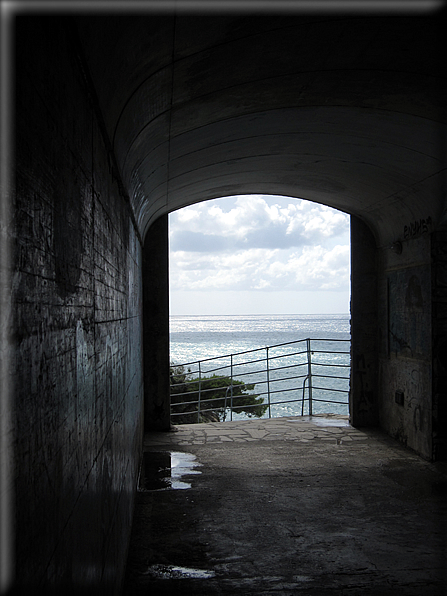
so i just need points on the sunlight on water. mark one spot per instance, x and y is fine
(203, 337)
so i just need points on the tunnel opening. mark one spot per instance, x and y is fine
(363, 364)
(259, 287)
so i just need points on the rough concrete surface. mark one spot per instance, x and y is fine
(289, 506)
(73, 334)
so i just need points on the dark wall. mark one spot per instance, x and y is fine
(405, 342)
(76, 342)
(397, 342)
(439, 355)
(363, 401)
(157, 410)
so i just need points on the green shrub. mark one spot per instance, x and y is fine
(215, 397)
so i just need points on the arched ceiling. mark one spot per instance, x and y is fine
(348, 111)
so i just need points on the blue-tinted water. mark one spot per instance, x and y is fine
(196, 338)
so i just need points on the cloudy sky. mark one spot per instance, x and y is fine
(259, 254)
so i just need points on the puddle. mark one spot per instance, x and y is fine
(163, 470)
(176, 572)
(321, 421)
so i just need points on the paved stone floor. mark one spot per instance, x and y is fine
(329, 427)
(304, 506)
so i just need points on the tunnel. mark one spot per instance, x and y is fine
(116, 120)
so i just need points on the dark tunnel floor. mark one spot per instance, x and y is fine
(291, 506)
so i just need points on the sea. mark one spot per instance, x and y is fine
(297, 345)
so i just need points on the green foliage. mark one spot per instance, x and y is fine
(215, 395)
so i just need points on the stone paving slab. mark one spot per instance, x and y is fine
(321, 427)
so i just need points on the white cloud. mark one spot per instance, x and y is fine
(253, 221)
(259, 243)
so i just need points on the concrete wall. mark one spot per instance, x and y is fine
(157, 399)
(76, 330)
(439, 343)
(405, 342)
(363, 398)
(393, 331)
(346, 110)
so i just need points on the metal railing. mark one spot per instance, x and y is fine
(283, 374)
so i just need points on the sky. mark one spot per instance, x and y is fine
(259, 254)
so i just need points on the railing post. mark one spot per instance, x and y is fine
(200, 389)
(231, 398)
(268, 380)
(309, 372)
(302, 402)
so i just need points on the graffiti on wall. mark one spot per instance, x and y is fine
(409, 313)
(417, 228)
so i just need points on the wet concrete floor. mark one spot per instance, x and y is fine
(307, 506)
